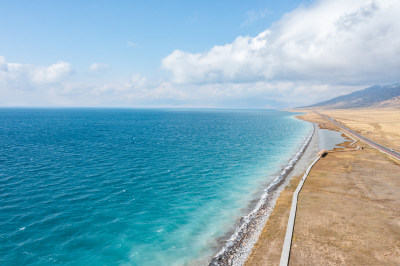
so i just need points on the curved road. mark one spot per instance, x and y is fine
(378, 146)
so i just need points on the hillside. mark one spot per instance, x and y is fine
(375, 96)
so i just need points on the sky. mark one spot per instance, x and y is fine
(211, 54)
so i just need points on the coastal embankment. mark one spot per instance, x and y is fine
(348, 208)
(267, 250)
(241, 243)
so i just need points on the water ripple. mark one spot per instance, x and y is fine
(136, 187)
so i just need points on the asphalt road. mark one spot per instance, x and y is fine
(378, 146)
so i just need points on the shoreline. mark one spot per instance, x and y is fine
(239, 246)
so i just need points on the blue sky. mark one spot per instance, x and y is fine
(261, 54)
(132, 36)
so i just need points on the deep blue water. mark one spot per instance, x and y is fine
(133, 187)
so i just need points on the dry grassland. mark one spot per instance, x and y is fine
(380, 125)
(349, 208)
(348, 211)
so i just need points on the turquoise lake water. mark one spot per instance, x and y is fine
(133, 187)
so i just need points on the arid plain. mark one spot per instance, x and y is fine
(349, 207)
(379, 124)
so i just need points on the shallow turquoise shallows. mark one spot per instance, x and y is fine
(133, 187)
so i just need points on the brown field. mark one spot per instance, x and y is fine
(348, 211)
(380, 125)
(349, 207)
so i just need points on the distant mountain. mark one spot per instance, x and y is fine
(375, 96)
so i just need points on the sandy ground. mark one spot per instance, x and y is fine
(348, 211)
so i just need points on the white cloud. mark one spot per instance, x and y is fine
(98, 67)
(313, 53)
(19, 87)
(27, 76)
(138, 81)
(50, 74)
(329, 42)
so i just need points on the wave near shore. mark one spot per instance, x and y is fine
(240, 244)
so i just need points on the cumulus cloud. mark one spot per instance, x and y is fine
(25, 75)
(329, 42)
(311, 54)
(98, 67)
(25, 84)
(50, 74)
(19, 88)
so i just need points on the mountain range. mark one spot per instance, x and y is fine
(376, 96)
